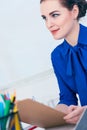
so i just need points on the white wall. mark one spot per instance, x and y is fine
(42, 87)
(25, 43)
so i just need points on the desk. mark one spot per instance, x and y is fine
(67, 127)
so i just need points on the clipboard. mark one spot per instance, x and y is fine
(35, 113)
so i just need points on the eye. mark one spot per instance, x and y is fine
(55, 15)
(43, 17)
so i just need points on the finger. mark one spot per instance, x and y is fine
(73, 120)
(71, 108)
(70, 122)
(74, 113)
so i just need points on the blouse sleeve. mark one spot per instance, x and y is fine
(67, 95)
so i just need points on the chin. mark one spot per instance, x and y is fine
(57, 38)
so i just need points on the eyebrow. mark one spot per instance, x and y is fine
(51, 13)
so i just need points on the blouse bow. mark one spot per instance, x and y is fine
(80, 51)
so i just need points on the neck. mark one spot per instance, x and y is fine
(72, 38)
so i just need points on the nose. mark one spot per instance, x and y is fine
(49, 24)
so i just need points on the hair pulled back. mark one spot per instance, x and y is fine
(82, 5)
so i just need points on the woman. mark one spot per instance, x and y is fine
(69, 59)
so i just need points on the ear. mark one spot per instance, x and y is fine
(75, 11)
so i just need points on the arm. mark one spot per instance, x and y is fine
(66, 85)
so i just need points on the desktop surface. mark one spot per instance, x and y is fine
(66, 127)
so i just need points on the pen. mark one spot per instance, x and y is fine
(2, 99)
(32, 128)
(1, 114)
(1, 109)
(7, 107)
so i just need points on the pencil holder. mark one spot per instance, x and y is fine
(11, 122)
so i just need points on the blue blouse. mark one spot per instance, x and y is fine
(70, 67)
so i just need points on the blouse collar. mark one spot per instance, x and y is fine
(82, 39)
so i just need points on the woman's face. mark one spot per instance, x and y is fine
(58, 19)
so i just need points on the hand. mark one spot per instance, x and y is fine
(74, 113)
(62, 107)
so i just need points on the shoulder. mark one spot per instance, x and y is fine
(83, 26)
(57, 51)
(83, 29)
(82, 35)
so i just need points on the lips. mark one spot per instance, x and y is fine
(54, 31)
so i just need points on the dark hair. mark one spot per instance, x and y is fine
(82, 5)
